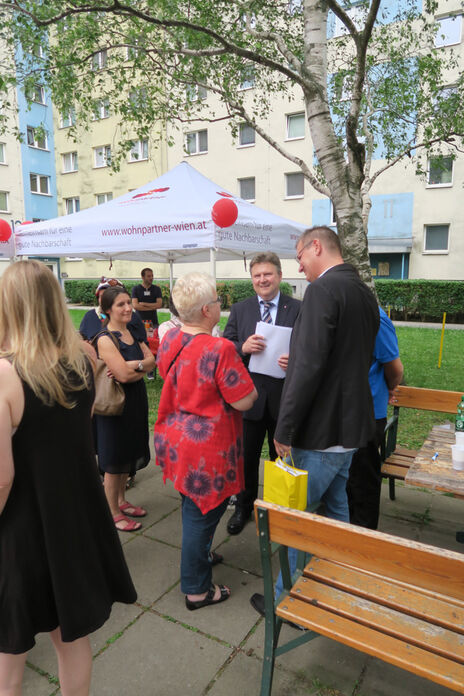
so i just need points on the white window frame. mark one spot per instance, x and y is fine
(105, 155)
(197, 142)
(246, 178)
(136, 153)
(357, 14)
(75, 205)
(436, 251)
(37, 94)
(246, 125)
(7, 202)
(290, 197)
(64, 118)
(38, 178)
(72, 159)
(101, 109)
(31, 139)
(247, 82)
(440, 185)
(39, 53)
(288, 117)
(3, 154)
(441, 38)
(196, 93)
(107, 197)
(100, 59)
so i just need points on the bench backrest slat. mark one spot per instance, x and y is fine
(407, 561)
(427, 399)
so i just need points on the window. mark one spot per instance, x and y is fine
(72, 205)
(40, 184)
(448, 31)
(138, 98)
(196, 92)
(294, 6)
(246, 135)
(332, 215)
(358, 15)
(138, 151)
(294, 185)
(247, 188)
(436, 238)
(196, 142)
(68, 119)
(99, 60)
(37, 51)
(440, 171)
(102, 156)
(4, 201)
(104, 198)
(36, 138)
(101, 109)
(295, 126)
(247, 80)
(2, 153)
(36, 93)
(69, 160)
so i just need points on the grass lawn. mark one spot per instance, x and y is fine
(419, 352)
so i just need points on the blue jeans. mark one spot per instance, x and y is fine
(327, 477)
(197, 536)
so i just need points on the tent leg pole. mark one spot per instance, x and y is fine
(212, 260)
(171, 274)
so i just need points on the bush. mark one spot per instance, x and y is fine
(231, 291)
(422, 300)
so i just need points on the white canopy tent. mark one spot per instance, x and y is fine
(170, 219)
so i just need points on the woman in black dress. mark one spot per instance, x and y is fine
(123, 441)
(61, 563)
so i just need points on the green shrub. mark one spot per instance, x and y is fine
(231, 291)
(422, 300)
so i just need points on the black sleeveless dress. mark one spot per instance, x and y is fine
(61, 562)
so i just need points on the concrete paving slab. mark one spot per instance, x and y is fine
(408, 504)
(399, 527)
(157, 656)
(382, 679)
(230, 621)
(333, 664)
(154, 568)
(447, 509)
(35, 684)
(169, 528)
(242, 675)
(443, 537)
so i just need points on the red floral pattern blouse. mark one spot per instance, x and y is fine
(198, 435)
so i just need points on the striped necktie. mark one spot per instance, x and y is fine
(267, 312)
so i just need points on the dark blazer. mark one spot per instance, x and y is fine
(242, 324)
(326, 399)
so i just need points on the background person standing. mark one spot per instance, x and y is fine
(146, 299)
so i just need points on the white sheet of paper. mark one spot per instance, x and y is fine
(277, 343)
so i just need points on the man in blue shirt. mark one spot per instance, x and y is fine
(385, 373)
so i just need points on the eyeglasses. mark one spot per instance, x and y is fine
(300, 253)
(218, 300)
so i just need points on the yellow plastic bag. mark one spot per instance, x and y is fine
(285, 485)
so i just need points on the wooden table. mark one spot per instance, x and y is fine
(439, 474)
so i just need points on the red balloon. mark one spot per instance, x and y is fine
(5, 231)
(224, 212)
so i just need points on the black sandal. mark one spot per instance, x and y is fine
(209, 599)
(215, 558)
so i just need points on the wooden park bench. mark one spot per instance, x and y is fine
(392, 598)
(397, 460)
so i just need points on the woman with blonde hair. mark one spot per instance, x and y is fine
(198, 434)
(61, 562)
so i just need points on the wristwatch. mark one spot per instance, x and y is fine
(139, 367)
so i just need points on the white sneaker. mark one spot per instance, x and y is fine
(150, 376)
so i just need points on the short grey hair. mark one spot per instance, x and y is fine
(191, 292)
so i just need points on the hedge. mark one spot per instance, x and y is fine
(231, 291)
(422, 300)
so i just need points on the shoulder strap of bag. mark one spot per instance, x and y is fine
(181, 349)
(105, 333)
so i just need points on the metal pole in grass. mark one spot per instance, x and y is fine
(389, 311)
(441, 340)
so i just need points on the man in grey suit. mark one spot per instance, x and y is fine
(271, 306)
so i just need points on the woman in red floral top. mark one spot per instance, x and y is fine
(198, 434)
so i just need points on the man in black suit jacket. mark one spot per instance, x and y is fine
(326, 410)
(266, 275)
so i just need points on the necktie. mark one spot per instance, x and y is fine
(267, 312)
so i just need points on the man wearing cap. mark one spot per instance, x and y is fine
(271, 306)
(92, 321)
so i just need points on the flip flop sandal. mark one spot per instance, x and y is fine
(136, 511)
(209, 599)
(215, 558)
(131, 526)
